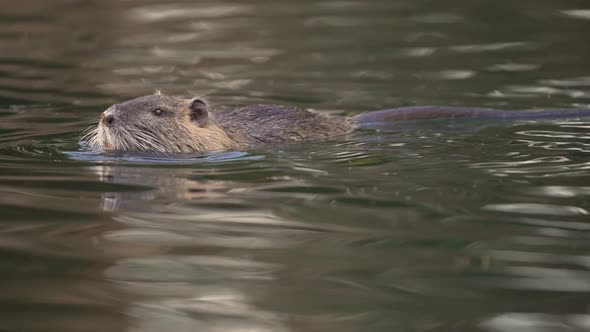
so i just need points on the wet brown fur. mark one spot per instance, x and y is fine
(182, 127)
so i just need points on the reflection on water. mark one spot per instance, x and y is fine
(434, 226)
(521, 322)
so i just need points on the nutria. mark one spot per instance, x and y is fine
(175, 124)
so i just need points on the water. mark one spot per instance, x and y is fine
(434, 226)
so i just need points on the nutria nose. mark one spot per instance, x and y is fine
(107, 118)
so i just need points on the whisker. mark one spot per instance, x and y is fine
(149, 141)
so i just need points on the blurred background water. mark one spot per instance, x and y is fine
(433, 226)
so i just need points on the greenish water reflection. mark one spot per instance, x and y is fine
(437, 226)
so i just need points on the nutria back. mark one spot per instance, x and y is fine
(263, 124)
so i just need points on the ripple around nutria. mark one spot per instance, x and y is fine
(160, 158)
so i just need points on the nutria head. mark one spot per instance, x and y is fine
(158, 123)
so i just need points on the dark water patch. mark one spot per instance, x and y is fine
(13, 213)
(305, 190)
(66, 185)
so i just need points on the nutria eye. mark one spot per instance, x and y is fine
(158, 112)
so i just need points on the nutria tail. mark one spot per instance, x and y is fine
(376, 118)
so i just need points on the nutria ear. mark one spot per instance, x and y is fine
(199, 114)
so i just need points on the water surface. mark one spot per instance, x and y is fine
(434, 226)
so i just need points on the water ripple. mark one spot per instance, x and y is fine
(578, 13)
(434, 226)
(157, 158)
(477, 48)
(530, 208)
(157, 13)
(529, 322)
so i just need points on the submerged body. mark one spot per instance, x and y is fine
(174, 124)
